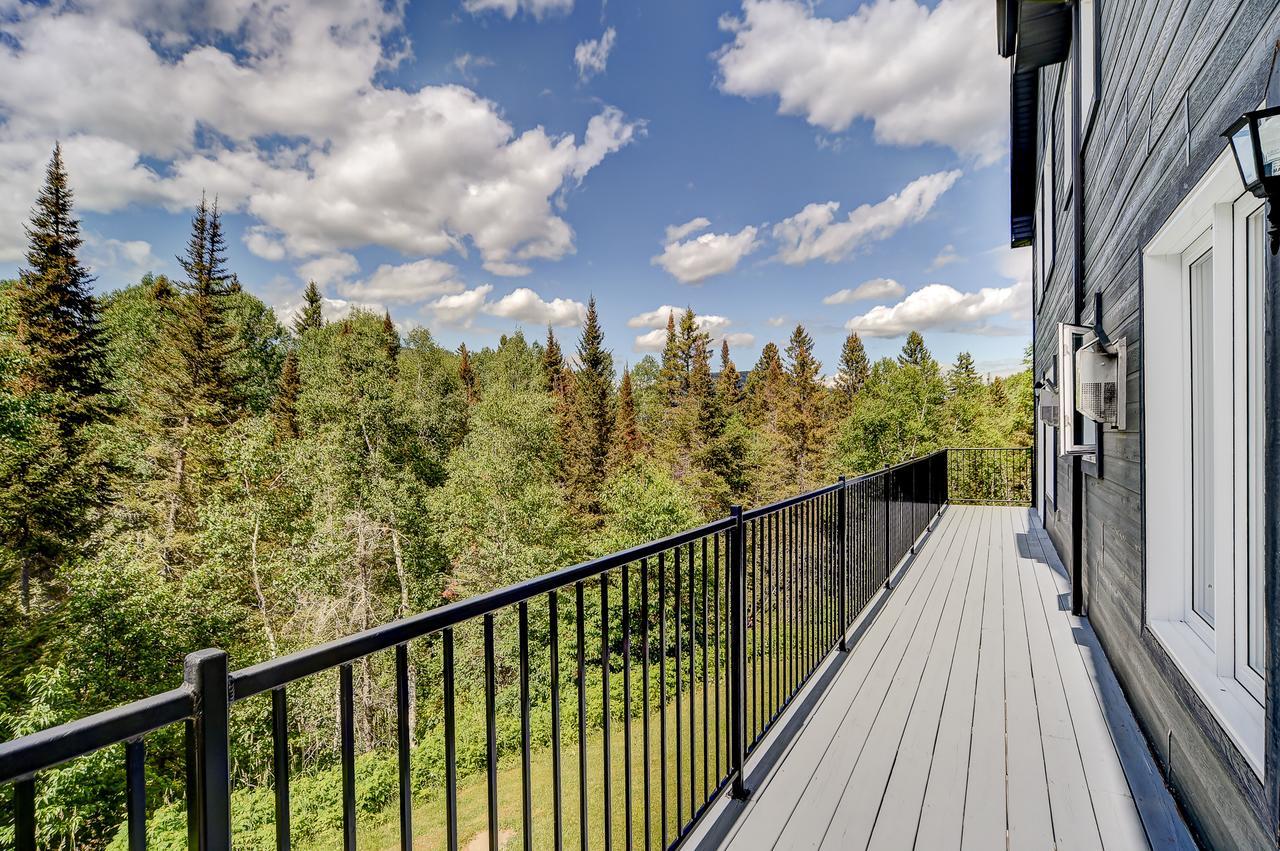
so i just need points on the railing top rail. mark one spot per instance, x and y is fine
(29, 754)
(788, 502)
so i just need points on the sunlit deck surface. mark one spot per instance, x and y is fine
(973, 711)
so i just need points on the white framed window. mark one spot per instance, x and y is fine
(1071, 338)
(1203, 363)
(1088, 57)
(1045, 220)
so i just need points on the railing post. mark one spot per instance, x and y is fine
(946, 476)
(206, 676)
(888, 536)
(738, 674)
(843, 555)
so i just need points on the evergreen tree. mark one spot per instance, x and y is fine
(50, 484)
(285, 405)
(587, 450)
(727, 385)
(626, 433)
(803, 418)
(192, 392)
(553, 364)
(57, 318)
(673, 379)
(467, 374)
(312, 313)
(766, 385)
(854, 369)
(913, 351)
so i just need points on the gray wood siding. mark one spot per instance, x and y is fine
(1162, 62)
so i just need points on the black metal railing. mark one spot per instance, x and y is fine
(983, 476)
(713, 632)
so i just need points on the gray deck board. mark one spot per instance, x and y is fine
(973, 712)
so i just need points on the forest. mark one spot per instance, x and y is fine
(182, 468)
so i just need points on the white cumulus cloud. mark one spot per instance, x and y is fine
(536, 8)
(944, 308)
(921, 73)
(692, 261)
(874, 288)
(657, 318)
(675, 233)
(283, 114)
(405, 282)
(592, 56)
(525, 305)
(329, 269)
(460, 309)
(815, 234)
(655, 339)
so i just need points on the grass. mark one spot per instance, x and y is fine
(429, 826)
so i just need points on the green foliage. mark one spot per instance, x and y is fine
(269, 491)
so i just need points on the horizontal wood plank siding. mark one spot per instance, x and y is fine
(1162, 62)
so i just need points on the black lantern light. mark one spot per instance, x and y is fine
(1255, 142)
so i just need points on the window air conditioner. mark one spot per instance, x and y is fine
(1100, 373)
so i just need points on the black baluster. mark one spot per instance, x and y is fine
(403, 738)
(280, 762)
(526, 766)
(135, 769)
(451, 746)
(346, 702)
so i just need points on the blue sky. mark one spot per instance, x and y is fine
(480, 165)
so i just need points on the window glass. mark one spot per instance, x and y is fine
(1088, 59)
(1200, 293)
(1256, 260)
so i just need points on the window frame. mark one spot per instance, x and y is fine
(1208, 657)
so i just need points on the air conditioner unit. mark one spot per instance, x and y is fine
(1047, 403)
(1100, 374)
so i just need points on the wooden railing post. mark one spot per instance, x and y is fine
(738, 661)
(206, 676)
(842, 527)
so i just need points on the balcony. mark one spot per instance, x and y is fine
(973, 711)
(887, 662)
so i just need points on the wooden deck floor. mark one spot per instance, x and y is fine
(974, 712)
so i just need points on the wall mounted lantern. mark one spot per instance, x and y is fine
(1255, 141)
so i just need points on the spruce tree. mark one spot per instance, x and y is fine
(673, 379)
(57, 317)
(192, 393)
(284, 408)
(766, 385)
(854, 370)
(626, 433)
(553, 364)
(802, 421)
(913, 351)
(312, 313)
(727, 385)
(49, 481)
(588, 437)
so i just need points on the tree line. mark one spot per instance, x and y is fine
(180, 469)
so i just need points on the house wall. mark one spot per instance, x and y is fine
(1165, 68)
